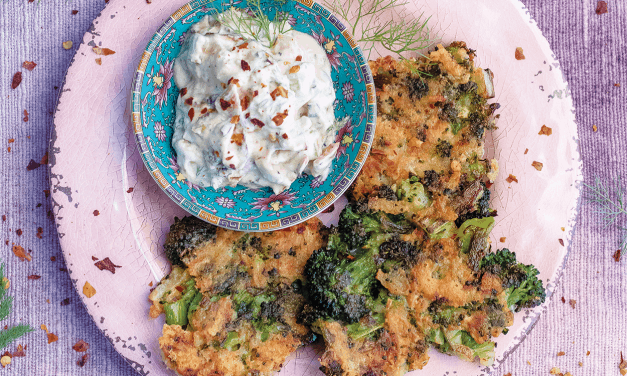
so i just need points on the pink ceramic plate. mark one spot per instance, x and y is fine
(107, 205)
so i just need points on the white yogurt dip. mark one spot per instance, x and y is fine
(252, 115)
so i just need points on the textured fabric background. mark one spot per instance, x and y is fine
(591, 49)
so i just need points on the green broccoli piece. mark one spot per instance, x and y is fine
(413, 191)
(176, 313)
(356, 228)
(460, 343)
(186, 235)
(340, 286)
(481, 208)
(520, 281)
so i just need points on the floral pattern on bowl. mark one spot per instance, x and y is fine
(153, 100)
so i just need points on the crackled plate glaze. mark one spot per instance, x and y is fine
(153, 100)
(95, 165)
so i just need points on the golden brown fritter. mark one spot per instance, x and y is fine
(243, 321)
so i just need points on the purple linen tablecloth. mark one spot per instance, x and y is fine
(592, 51)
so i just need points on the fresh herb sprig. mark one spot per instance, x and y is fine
(610, 202)
(254, 22)
(6, 306)
(398, 35)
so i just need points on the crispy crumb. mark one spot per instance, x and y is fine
(563, 229)
(594, 128)
(502, 239)
(6, 283)
(5, 361)
(567, 374)
(617, 84)
(537, 165)
(519, 55)
(52, 338)
(561, 353)
(545, 131)
(580, 364)
(555, 371)
(511, 178)
(601, 7)
(21, 253)
(561, 241)
(572, 303)
(563, 300)
(88, 290)
(528, 362)
(617, 255)
(68, 44)
(99, 61)
(588, 353)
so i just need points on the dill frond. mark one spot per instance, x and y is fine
(6, 304)
(254, 23)
(398, 35)
(610, 203)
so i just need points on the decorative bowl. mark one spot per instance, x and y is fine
(153, 99)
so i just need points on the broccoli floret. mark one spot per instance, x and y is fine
(185, 235)
(460, 343)
(418, 88)
(520, 281)
(413, 191)
(472, 238)
(431, 179)
(356, 229)
(340, 286)
(445, 315)
(399, 250)
(177, 313)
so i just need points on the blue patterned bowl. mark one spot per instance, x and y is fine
(153, 101)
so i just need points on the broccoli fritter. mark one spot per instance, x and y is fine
(234, 304)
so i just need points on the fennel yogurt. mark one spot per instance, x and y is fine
(252, 115)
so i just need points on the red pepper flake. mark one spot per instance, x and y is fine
(40, 232)
(526, 151)
(189, 101)
(19, 353)
(299, 58)
(94, 258)
(130, 190)
(284, 135)
(107, 264)
(329, 209)
(11, 140)
(519, 54)
(255, 93)
(4, 218)
(233, 81)
(74, 12)
(245, 102)
(148, 1)
(617, 255)
(537, 165)
(63, 269)
(52, 338)
(561, 353)
(81, 346)
(563, 300)
(232, 166)
(34, 277)
(32, 165)
(53, 259)
(190, 113)
(224, 104)
(29, 65)
(18, 232)
(278, 119)
(294, 69)
(561, 242)
(229, 158)
(257, 122)
(103, 51)
(96, 213)
(242, 46)
(279, 91)
(17, 80)
(47, 192)
(511, 178)
(21, 253)
(65, 302)
(594, 128)
(247, 115)
(601, 7)
(82, 361)
(44, 159)
(572, 303)
(203, 111)
(25, 118)
(301, 229)
(545, 131)
(245, 66)
(183, 92)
